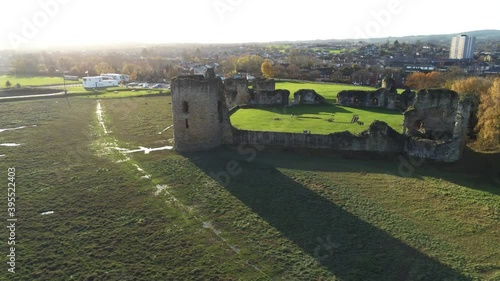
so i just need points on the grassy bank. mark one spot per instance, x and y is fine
(107, 224)
(319, 119)
(115, 92)
(33, 81)
(329, 91)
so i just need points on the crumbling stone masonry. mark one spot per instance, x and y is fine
(307, 97)
(266, 98)
(237, 92)
(378, 138)
(437, 125)
(200, 114)
(261, 84)
(385, 97)
(434, 128)
(263, 93)
(406, 99)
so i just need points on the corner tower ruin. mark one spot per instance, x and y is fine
(200, 115)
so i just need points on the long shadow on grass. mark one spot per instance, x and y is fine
(349, 247)
(475, 170)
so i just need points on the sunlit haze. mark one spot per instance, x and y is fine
(52, 23)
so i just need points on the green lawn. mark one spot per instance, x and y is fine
(282, 216)
(329, 91)
(336, 52)
(33, 81)
(315, 118)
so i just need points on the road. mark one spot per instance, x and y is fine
(32, 96)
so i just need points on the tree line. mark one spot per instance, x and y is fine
(43, 64)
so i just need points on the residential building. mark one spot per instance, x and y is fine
(462, 47)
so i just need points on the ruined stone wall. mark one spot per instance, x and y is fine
(263, 93)
(267, 98)
(264, 85)
(237, 92)
(407, 99)
(444, 119)
(367, 99)
(435, 128)
(307, 97)
(385, 97)
(200, 115)
(378, 138)
(433, 114)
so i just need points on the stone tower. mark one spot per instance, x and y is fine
(200, 114)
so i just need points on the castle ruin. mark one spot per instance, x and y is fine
(385, 97)
(263, 93)
(200, 114)
(306, 96)
(434, 128)
(437, 125)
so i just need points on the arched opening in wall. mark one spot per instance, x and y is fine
(185, 107)
(356, 101)
(187, 124)
(419, 126)
(219, 111)
(374, 101)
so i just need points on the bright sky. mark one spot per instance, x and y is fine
(49, 23)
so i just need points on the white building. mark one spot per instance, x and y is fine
(120, 77)
(98, 82)
(462, 47)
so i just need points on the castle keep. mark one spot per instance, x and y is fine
(434, 128)
(437, 124)
(201, 119)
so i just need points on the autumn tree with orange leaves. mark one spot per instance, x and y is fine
(485, 117)
(488, 125)
(267, 69)
(474, 87)
(420, 80)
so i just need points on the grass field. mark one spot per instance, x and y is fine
(319, 119)
(115, 92)
(284, 216)
(329, 91)
(33, 81)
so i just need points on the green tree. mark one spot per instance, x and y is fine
(23, 66)
(131, 70)
(75, 70)
(51, 70)
(65, 63)
(293, 71)
(41, 68)
(103, 67)
(250, 64)
(8, 84)
(229, 65)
